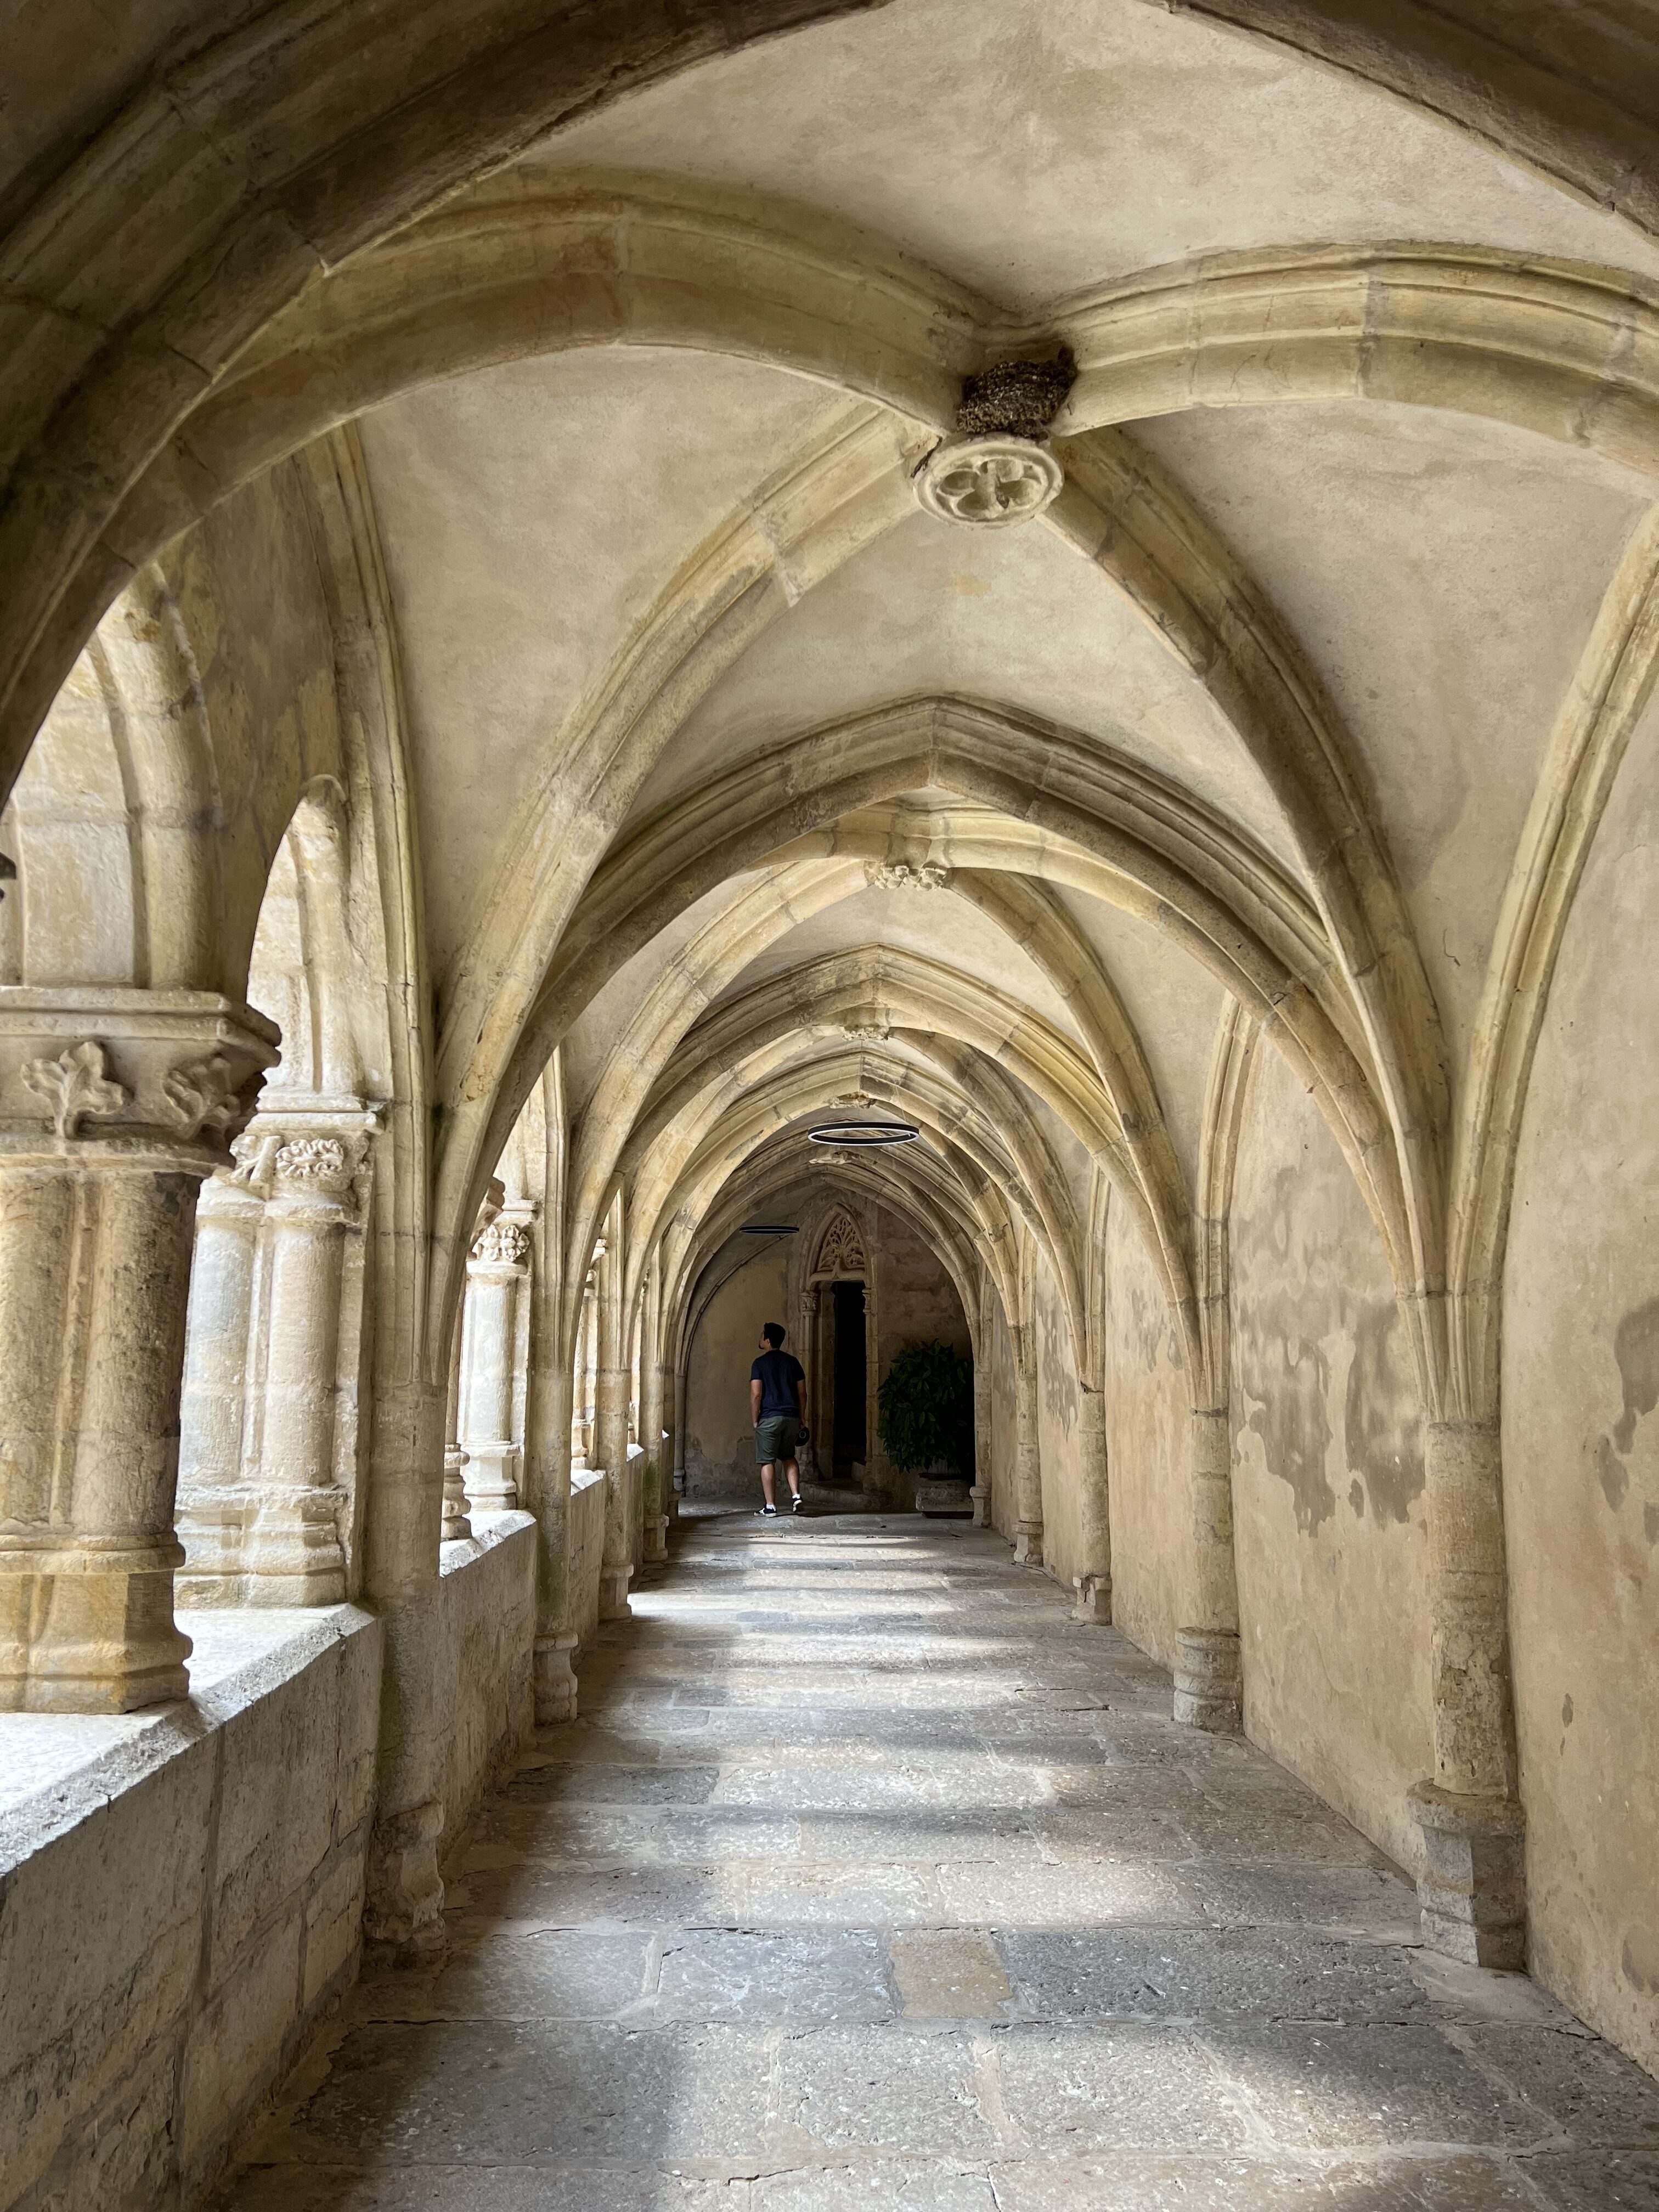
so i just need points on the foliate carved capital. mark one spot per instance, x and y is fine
(208, 1094)
(988, 483)
(76, 1087)
(128, 1072)
(321, 1164)
(900, 876)
(876, 1032)
(504, 1243)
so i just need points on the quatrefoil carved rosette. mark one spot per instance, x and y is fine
(989, 482)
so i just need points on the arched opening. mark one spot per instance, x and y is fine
(1083, 584)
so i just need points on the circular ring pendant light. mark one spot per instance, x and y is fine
(864, 1133)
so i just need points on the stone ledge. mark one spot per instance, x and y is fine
(81, 1761)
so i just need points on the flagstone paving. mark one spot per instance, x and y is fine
(868, 1878)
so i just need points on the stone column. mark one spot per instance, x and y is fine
(1472, 1888)
(667, 1444)
(292, 1554)
(585, 1378)
(498, 1267)
(1028, 1472)
(216, 1501)
(610, 1452)
(680, 1387)
(1208, 1675)
(1094, 1585)
(654, 1480)
(114, 1105)
(457, 1524)
(547, 1496)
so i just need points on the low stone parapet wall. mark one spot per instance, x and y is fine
(176, 1911)
(486, 1617)
(181, 1892)
(584, 1535)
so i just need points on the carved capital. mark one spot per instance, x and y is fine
(76, 1087)
(205, 1095)
(873, 1032)
(318, 1165)
(128, 1072)
(504, 1243)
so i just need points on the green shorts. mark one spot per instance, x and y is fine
(776, 1438)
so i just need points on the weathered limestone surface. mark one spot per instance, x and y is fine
(178, 1908)
(920, 1896)
(1328, 1477)
(174, 1914)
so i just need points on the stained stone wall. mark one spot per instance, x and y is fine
(719, 1444)
(1327, 1475)
(1581, 1445)
(1148, 1446)
(1059, 1433)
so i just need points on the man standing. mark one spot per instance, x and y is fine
(777, 1406)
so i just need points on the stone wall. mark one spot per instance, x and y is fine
(585, 1535)
(487, 1620)
(1581, 1446)
(175, 1914)
(1148, 1446)
(720, 1442)
(1004, 1427)
(1059, 1433)
(179, 1908)
(1327, 1475)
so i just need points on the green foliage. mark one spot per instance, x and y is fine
(926, 1409)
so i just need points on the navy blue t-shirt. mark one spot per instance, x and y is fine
(777, 1373)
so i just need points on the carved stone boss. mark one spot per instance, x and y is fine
(998, 468)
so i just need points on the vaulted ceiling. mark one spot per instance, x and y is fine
(730, 758)
(755, 787)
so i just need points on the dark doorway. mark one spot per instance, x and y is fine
(851, 1442)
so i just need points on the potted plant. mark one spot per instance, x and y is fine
(925, 1422)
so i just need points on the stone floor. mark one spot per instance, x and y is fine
(869, 1879)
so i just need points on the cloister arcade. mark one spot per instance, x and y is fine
(587, 590)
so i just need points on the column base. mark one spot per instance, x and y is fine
(981, 1501)
(1472, 1889)
(403, 1912)
(101, 1643)
(1028, 1544)
(1209, 1680)
(656, 1539)
(1094, 1599)
(554, 1679)
(292, 1555)
(456, 1526)
(613, 1593)
(492, 1484)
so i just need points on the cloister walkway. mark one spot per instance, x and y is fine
(870, 1879)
